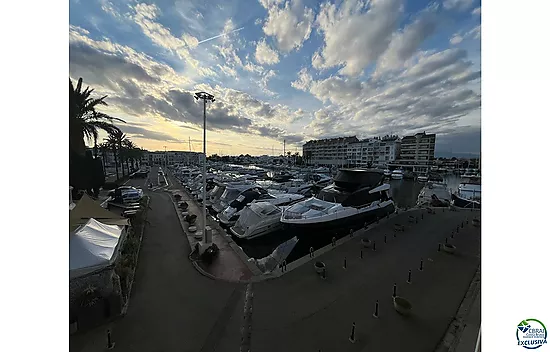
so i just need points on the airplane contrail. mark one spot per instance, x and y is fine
(219, 35)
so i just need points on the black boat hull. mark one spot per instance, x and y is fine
(464, 203)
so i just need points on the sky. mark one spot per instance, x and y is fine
(282, 70)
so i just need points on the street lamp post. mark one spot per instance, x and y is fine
(205, 97)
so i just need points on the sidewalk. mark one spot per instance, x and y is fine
(301, 312)
(231, 264)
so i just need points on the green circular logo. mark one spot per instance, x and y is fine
(531, 334)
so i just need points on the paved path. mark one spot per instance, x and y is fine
(173, 307)
(301, 312)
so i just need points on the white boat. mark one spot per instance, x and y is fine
(434, 194)
(258, 219)
(468, 195)
(231, 214)
(422, 178)
(397, 174)
(356, 196)
(387, 172)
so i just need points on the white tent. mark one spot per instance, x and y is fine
(92, 246)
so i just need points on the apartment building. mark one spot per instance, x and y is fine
(417, 151)
(374, 151)
(171, 158)
(327, 152)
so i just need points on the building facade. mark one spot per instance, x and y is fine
(171, 158)
(374, 151)
(327, 152)
(417, 152)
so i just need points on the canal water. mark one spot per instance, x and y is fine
(404, 194)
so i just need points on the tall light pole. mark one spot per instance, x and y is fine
(165, 158)
(205, 97)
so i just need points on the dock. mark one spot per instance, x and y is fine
(230, 306)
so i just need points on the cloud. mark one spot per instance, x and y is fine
(405, 43)
(458, 5)
(304, 80)
(265, 55)
(347, 43)
(434, 92)
(290, 24)
(146, 133)
(456, 39)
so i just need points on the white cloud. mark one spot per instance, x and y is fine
(290, 24)
(458, 5)
(434, 92)
(303, 82)
(265, 55)
(476, 11)
(404, 43)
(456, 39)
(354, 38)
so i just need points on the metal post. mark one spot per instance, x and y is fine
(345, 263)
(375, 309)
(409, 278)
(352, 335)
(206, 238)
(421, 264)
(394, 290)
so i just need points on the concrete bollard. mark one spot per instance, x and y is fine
(409, 277)
(394, 290)
(352, 335)
(110, 343)
(334, 241)
(421, 264)
(375, 314)
(345, 266)
(374, 246)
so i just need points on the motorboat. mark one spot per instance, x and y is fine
(387, 172)
(435, 177)
(434, 195)
(468, 195)
(258, 219)
(279, 176)
(422, 178)
(356, 196)
(397, 174)
(230, 215)
(319, 180)
(231, 193)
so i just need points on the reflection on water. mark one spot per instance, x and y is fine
(405, 192)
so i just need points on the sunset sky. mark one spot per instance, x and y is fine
(294, 70)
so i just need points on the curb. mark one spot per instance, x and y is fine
(125, 307)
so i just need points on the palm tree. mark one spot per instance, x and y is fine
(112, 143)
(128, 150)
(118, 138)
(84, 120)
(103, 148)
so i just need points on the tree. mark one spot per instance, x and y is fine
(84, 120)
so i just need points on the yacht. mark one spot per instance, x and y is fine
(230, 215)
(356, 196)
(397, 174)
(232, 192)
(280, 176)
(258, 219)
(435, 195)
(422, 178)
(468, 195)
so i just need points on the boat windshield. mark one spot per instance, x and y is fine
(230, 194)
(330, 194)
